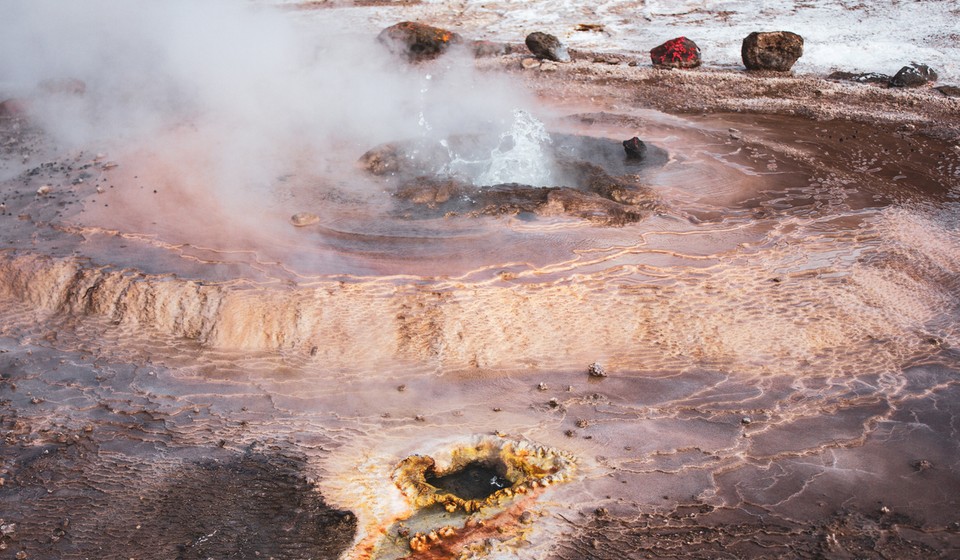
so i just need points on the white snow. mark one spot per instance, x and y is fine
(852, 35)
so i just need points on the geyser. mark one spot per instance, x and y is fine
(526, 171)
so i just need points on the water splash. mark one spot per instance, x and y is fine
(422, 123)
(519, 157)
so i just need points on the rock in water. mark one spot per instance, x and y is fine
(546, 46)
(676, 53)
(912, 76)
(417, 42)
(635, 149)
(304, 219)
(774, 50)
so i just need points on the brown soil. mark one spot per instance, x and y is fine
(706, 90)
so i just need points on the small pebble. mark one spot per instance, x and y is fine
(596, 370)
(304, 219)
(542, 386)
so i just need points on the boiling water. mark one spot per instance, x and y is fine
(520, 156)
(780, 345)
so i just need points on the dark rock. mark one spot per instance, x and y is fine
(430, 192)
(635, 149)
(592, 178)
(382, 160)
(949, 91)
(676, 53)
(862, 78)
(449, 197)
(774, 50)
(417, 42)
(546, 46)
(914, 75)
(391, 159)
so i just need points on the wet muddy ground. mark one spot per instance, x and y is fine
(780, 342)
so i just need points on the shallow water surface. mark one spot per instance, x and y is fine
(779, 338)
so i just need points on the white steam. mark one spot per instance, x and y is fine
(253, 87)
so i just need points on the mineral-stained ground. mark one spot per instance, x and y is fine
(778, 335)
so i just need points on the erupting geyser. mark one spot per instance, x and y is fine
(527, 171)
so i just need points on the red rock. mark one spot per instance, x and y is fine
(676, 53)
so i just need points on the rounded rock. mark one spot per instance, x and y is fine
(596, 370)
(530, 63)
(676, 53)
(304, 219)
(417, 42)
(547, 46)
(773, 50)
(914, 75)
